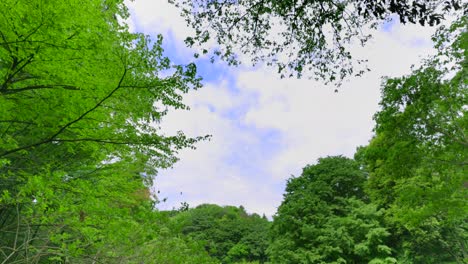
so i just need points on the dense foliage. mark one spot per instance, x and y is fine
(417, 160)
(228, 233)
(326, 218)
(81, 97)
(404, 198)
(78, 145)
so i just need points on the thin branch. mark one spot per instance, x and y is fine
(17, 121)
(62, 129)
(45, 86)
(14, 249)
(92, 109)
(34, 30)
(15, 64)
(41, 42)
(17, 226)
(106, 141)
(5, 42)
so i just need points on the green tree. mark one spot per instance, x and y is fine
(229, 233)
(301, 36)
(325, 218)
(417, 160)
(79, 137)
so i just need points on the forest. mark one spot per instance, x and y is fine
(81, 97)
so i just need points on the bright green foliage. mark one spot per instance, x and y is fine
(417, 160)
(167, 246)
(325, 218)
(229, 233)
(81, 97)
(79, 141)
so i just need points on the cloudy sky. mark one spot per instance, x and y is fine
(265, 129)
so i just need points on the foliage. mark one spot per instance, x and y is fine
(80, 102)
(325, 218)
(417, 160)
(228, 233)
(299, 37)
(79, 138)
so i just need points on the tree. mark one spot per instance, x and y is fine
(417, 160)
(79, 138)
(301, 36)
(229, 234)
(325, 218)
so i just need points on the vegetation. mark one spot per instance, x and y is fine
(80, 101)
(417, 160)
(404, 198)
(228, 233)
(77, 148)
(326, 218)
(302, 37)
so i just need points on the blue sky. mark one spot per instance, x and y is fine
(265, 129)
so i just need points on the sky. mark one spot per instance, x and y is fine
(265, 129)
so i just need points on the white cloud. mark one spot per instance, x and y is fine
(315, 121)
(265, 129)
(212, 173)
(157, 16)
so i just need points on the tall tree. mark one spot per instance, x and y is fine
(417, 160)
(79, 140)
(325, 218)
(310, 36)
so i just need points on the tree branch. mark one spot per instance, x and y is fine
(45, 86)
(54, 136)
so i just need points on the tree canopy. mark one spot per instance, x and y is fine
(298, 37)
(229, 233)
(417, 160)
(81, 98)
(79, 137)
(325, 218)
